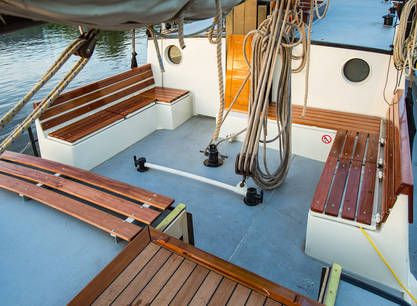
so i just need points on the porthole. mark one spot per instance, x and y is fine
(356, 70)
(174, 54)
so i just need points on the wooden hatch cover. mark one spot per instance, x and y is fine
(158, 269)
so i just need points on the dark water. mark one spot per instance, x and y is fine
(26, 55)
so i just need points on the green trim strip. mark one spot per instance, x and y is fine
(171, 217)
(333, 285)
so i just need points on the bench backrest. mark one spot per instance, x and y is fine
(398, 175)
(83, 100)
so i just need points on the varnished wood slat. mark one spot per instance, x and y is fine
(86, 126)
(141, 279)
(223, 292)
(271, 302)
(372, 149)
(352, 191)
(348, 147)
(360, 147)
(229, 270)
(240, 296)
(190, 286)
(53, 111)
(133, 192)
(126, 275)
(391, 160)
(158, 281)
(174, 284)
(164, 94)
(206, 290)
(366, 199)
(256, 299)
(112, 270)
(338, 142)
(74, 93)
(323, 187)
(330, 119)
(406, 178)
(47, 124)
(338, 187)
(84, 192)
(130, 105)
(71, 207)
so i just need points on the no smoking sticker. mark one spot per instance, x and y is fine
(326, 139)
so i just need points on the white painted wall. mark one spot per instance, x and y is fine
(197, 71)
(327, 86)
(329, 89)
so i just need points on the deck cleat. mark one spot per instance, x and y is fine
(213, 157)
(140, 163)
(253, 198)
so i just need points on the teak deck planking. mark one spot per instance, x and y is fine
(179, 274)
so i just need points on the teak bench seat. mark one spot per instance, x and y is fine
(158, 269)
(347, 185)
(85, 110)
(76, 192)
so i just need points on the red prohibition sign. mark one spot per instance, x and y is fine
(326, 139)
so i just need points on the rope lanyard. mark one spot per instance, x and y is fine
(83, 45)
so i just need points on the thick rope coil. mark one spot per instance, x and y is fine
(405, 51)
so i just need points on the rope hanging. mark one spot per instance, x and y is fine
(405, 51)
(82, 46)
(133, 63)
(273, 40)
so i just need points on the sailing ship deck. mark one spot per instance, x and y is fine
(48, 257)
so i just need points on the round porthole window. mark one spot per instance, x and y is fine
(356, 70)
(174, 54)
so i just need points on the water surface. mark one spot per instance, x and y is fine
(27, 54)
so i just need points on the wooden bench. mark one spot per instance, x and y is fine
(119, 110)
(104, 102)
(366, 183)
(351, 175)
(159, 269)
(78, 192)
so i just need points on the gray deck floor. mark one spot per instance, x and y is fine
(48, 257)
(356, 23)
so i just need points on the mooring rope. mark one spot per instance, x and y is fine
(274, 39)
(49, 74)
(54, 94)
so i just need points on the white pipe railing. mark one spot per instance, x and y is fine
(236, 189)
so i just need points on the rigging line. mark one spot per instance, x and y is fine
(48, 75)
(387, 264)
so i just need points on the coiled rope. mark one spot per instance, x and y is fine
(405, 51)
(274, 39)
(51, 97)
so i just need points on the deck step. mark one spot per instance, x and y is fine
(88, 214)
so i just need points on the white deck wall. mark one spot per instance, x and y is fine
(327, 86)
